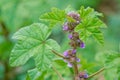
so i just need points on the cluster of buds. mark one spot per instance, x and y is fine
(70, 26)
(70, 57)
(83, 75)
(75, 41)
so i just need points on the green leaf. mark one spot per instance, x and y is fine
(98, 35)
(111, 61)
(54, 17)
(35, 74)
(32, 43)
(90, 25)
(60, 62)
(88, 13)
(44, 60)
(112, 56)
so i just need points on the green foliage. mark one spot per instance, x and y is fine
(15, 14)
(32, 43)
(35, 74)
(111, 61)
(90, 25)
(54, 17)
(60, 62)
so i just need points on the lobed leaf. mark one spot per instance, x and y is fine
(32, 42)
(54, 17)
(90, 25)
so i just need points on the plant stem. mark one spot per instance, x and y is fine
(58, 54)
(99, 71)
(57, 73)
(75, 71)
(75, 67)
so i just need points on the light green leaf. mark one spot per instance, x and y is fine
(35, 74)
(112, 56)
(54, 17)
(88, 13)
(110, 59)
(36, 31)
(98, 35)
(60, 62)
(32, 42)
(44, 60)
(90, 25)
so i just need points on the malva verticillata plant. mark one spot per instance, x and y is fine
(33, 42)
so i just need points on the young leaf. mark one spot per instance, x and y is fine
(32, 42)
(90, 25)
(88, 13)
(54, 17)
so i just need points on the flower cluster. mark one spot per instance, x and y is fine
(70, 26)
(83, 75)
(70, 57)
(75, 41)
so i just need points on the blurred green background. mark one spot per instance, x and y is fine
(15, 14)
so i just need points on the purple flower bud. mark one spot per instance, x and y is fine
(82, 45)
(70, 36)
(74, 51)
(74, 15)
(65, 53)
(78, 40)
(69, 64)
(65, 26)
(78, 21)
(65, 60)
(77, 59)
(85, 76)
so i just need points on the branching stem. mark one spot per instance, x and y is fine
(58, 54)
(99, 71)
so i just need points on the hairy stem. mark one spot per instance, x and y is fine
(99, 71)
(75, 67)
(58, 54)
(75, 71)
(60, 76)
